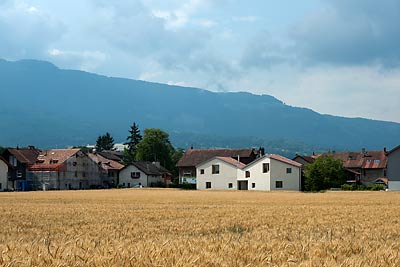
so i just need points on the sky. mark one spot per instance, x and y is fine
(336, 57)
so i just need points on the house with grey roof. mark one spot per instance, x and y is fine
(144, 174)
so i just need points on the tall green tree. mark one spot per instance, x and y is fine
(156, 146)
(133, 140)
(2, 149)
(326, 172)
(104, 142)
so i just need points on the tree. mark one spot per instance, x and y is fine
(104, 142)
(2, 149)
(326, 172)
(133, 140)
(156, 146)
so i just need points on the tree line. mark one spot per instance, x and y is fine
(154, 145)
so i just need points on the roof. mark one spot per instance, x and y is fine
(106, 164)
(112, 155)
(228, 160)
(275, 157)
(394, 149)
(25, 155)
(5, 161)
(369, 160)
(52, 159)
(149, 168)
(194, 157)
(285, 160)
(308, 159)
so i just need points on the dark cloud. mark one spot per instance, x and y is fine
(353, 32)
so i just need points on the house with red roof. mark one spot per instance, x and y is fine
(269, 172)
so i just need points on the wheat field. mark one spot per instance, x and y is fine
(162, 227)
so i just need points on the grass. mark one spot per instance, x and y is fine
(140, 227)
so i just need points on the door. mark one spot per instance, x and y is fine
(243, 185)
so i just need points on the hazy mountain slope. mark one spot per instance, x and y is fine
(43, 105)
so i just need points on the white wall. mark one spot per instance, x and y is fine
(260, 179)
(394, 185)
(291, 181)
(125, 179)
(227, 174)
(3, 175)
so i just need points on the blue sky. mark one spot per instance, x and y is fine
(335, 56)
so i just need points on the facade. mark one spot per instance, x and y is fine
(270, 172)
(65, 169)
(393, 169)
(218, 173)
(193, 157)
(144, 174)
(4, 175)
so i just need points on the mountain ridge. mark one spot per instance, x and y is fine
(72, 107)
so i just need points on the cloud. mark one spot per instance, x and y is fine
(85, 60)
(26, 31)
(350, 33)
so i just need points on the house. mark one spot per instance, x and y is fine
(218, 173)
(5, 167)
(393, 168)
(20, 159)
(304, 160)
(65, 169)
(109, 167)
(269, 172)
(193, 157)
(144, 174)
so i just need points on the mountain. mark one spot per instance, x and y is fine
(50, 107)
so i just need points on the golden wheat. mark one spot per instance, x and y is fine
(140, 227)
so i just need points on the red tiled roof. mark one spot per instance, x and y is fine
(193, 157)
(370, 160)
(285, 160)
(47, 167)
(232, 161)
(57, 156)
(308, 159)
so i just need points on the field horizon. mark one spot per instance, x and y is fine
(170, 227)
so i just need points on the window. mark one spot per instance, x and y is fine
(288, 170)
(253, 185)
(83, 174)
(208, 185)
(215, 169)
(202, 171)
(247, 174)
(76, 173)
(230, 185)
(129, 185)
(0, 186)
(135, 175)
(278, 184)
(377, 161)
(19, 174)
(74, 163)
(265, 167)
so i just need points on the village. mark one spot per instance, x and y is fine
(31, 169)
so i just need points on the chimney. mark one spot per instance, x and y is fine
(31, 147)
(262, 151)
(363, 152)
(385, 150)
(238, 158)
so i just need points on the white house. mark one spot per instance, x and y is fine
(4, 185)
(270, 172)
(144, 174)
(219, 173)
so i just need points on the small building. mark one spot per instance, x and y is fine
(110, 168)
(144, 174)
(20, 160)
(5, 168)
(271, 172)
(218, 173)
(193, 157)
(65, 169)
(393, 168)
